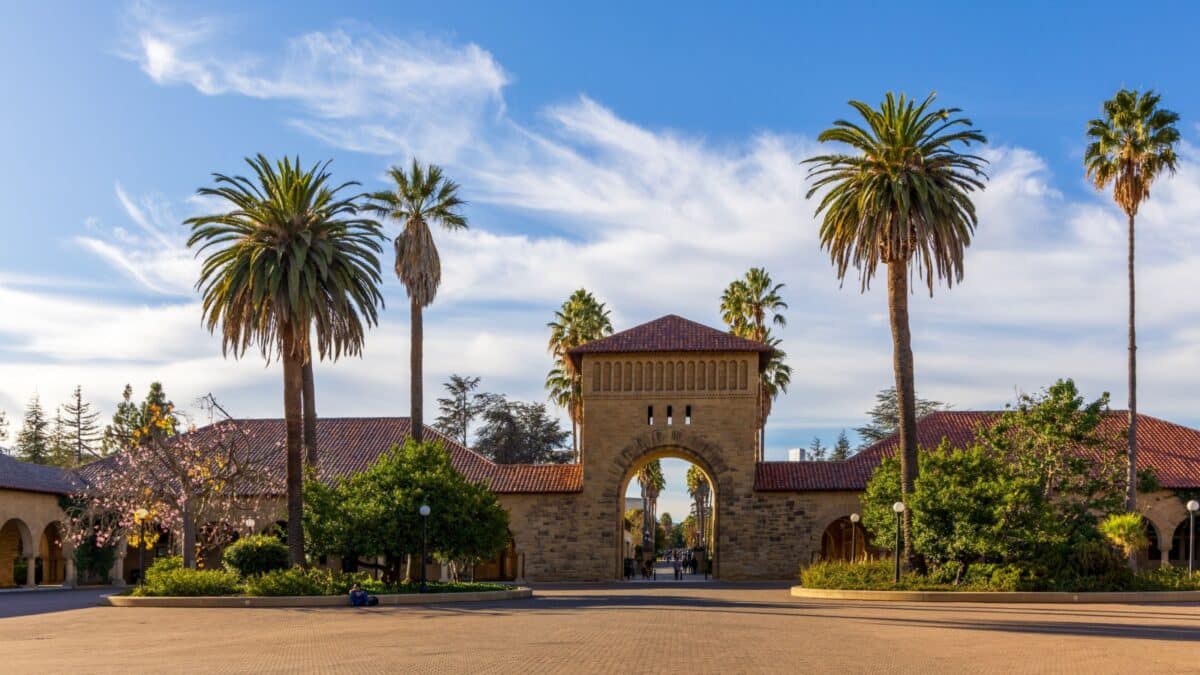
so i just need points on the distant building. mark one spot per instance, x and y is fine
(796, 455)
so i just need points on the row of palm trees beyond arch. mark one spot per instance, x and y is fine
(296, 258)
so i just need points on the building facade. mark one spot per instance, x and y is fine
(668, 388)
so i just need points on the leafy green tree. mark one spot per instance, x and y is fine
(885, 416)
(34, 439)
(514, 432)
(460, 408)
(1131, 146)
(750, 306)
(82, 433)
(581, 318)
(376, 512)
(419, 197)
(1027, 493)
(900, 198)
(291, 259)
(841, 449)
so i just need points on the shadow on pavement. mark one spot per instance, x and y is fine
(42, 602)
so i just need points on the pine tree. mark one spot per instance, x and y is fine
(33, 441)
(82, 436)
(816, 450)
(460, 408)
(124, 421)
(61, 450)
(885, 416)
(841, 449)
(3, 426)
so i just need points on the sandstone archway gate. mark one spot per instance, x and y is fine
(671, 388)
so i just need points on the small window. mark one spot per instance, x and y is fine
(669, 414)
(650, 415)
(687, 414)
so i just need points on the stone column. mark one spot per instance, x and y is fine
(31, 571)
(70, 581)
(444, 573)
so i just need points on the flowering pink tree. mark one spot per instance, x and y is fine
(205, 479)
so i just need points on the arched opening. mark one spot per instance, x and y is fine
(14, 547)
(845, 540)
(52, 567)
(668, 521)
(504, 567)
(1180, 542)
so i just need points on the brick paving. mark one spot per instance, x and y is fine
(649, 628)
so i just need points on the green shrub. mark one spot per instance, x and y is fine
(168, 577)
(1125, 531)
(290, 581)
(255, 555)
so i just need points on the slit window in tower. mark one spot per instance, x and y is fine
(650, 415)
(687, 414)
(669, 414)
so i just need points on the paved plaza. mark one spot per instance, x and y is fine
(649, 628)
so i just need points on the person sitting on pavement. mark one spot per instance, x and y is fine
(358, 597)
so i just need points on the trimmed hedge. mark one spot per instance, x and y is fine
(256, 555)
(876, 575)
(168, 577)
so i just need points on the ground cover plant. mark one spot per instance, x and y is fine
(1035, 504)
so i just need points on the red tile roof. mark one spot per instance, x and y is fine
(671, 333)
(27, 477)
(348, 445)
(1173, 451)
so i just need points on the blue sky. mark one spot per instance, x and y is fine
(649, 153)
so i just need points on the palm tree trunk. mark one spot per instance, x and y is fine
(902, 364)
(293, 386)
(416, 371)
(1131, 495)
(310, 414)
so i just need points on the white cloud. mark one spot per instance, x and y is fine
(654, 221)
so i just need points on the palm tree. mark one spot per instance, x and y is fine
(420, 197)
(582, 318)
(1130, 147)
(290, 258)
(746, 306)
(650, 478)
(901, 198)
(699, 490)
(775, 380)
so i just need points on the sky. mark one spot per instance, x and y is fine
(649, 152)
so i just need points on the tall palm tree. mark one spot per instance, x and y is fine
(1130, 147)
(420, 197)
(289, 259)
(748, 306)
(774, 381)
(582, 318)
(650, 478)
(699, 490)
(900, 197)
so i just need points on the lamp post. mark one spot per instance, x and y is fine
(1192, 506)
(139, 516)
(854, 518)
(898, 507)
(424, 511)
